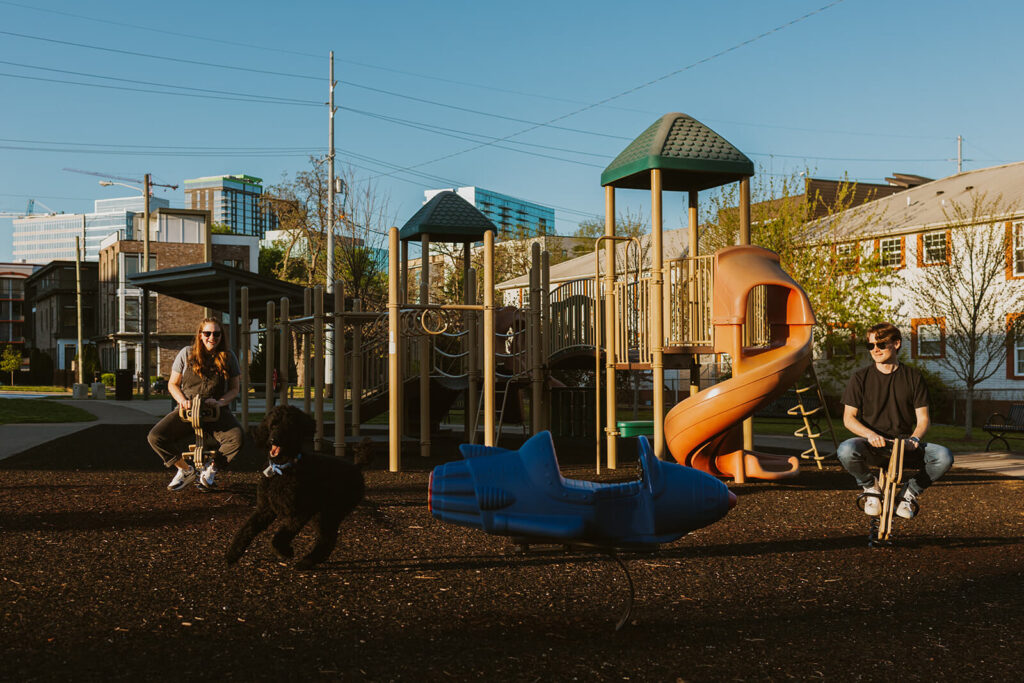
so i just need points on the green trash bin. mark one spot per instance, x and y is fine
(629, 429)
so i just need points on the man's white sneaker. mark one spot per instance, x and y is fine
(908, 506)
(182, 478)
(872, 498)
(208, 477)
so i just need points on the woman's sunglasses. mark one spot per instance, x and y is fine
(211, 333)
(882, 346)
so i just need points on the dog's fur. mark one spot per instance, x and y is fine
(315, 485)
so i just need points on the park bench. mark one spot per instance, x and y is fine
(998, 425)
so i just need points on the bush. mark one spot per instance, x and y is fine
(107, 378)
(940, 395)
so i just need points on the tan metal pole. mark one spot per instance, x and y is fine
(748, 424)
(307, 352)
(473, 395)
(246, 357)
(691, 288)
(268, 358)
(657, 316)
(339, 368)
(357, 368)
(545, 336)
(394, 381)
(489, 361)
(425, 343)
(745, 211)
(285, 339)
(609, 329)
(535, 355)
(319, 341)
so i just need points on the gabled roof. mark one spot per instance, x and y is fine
(928, 206)
(692, 157)
(447, 217)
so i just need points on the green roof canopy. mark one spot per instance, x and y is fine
(691, 156)
(447, 217)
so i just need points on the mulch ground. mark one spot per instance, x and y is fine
(105, 575)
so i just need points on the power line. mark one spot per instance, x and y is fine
(283, 100)
(158, 92)
(180, 60)
(644, 85)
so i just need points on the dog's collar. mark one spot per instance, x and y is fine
(280, 469)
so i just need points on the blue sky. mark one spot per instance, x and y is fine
(858, 87)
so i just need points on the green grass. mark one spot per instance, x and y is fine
(950, 436)
(37, 410)
(27, 389)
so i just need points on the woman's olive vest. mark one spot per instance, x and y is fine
(198, 385)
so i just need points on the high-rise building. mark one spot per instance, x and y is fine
(233, 200)
(41, 239)
(515, 218)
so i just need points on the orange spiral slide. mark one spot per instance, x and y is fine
(704, 430)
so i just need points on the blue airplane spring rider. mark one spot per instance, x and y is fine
(522, 494)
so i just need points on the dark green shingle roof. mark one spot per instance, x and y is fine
(691, 156)
(447, 217)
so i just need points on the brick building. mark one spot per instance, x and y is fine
(178, 238)
(51, 318)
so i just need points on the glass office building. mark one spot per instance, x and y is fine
(515, 218)
(233, 200)
(41, 239)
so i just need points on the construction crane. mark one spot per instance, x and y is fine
(108, 176)
(29, 210)
(32, 205)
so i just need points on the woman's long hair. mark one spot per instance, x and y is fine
(206, 363)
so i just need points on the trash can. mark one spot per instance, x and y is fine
(123, 385)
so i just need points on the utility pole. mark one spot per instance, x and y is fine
(959, 153)
(145, 293)
(78, 306)
(329, 361)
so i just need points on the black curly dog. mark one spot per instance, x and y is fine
(298, 485)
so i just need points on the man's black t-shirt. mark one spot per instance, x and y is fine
(886, 403)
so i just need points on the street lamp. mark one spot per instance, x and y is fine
(145, 269)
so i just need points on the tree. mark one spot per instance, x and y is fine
(845, 285)
(362, 216)
(10, 360)
(965, 290)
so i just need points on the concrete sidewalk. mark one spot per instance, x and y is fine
(16, 438)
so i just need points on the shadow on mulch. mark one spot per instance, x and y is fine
(108, 576)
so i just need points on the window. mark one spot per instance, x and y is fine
(846, 255)
(1017, 249)
(840, 342)
(933, 248)
(1015, 346)
(928, 338)
(890, 251)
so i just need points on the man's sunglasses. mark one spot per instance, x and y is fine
(211, 333)
(882, 346)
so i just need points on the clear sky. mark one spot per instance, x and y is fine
(528, 98)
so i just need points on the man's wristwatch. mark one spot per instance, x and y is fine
(917, 441)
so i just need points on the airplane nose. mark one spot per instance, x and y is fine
(732, 500)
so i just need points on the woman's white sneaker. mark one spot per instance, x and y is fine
(182, 478)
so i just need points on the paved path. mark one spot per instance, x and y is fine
(16, 438)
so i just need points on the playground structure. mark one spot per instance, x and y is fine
(419, 358)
